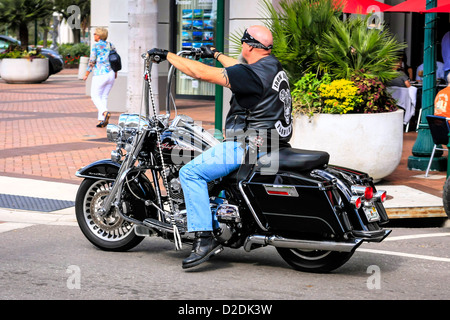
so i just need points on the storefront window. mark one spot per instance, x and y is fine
(196, 27)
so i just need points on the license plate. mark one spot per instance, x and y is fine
(371, 213)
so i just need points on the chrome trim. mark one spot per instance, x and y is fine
(241, 189)
(280, 242)
(339, 183)
(290, 190)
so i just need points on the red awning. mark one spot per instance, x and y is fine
(414, 6)
(363, 6)
(442, 8)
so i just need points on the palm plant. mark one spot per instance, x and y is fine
(17, 14)
(297, 28)
(350, 47)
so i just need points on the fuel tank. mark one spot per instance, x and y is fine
(185, 139)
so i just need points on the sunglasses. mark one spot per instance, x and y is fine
(248, 39)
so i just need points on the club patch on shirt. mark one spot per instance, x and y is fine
(281, 85)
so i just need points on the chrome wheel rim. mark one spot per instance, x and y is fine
(311, 255)
(110, 227)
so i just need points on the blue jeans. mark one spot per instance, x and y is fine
(214, 163)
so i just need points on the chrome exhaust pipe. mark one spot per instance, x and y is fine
(280, 242)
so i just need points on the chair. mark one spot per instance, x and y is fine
(439, 129)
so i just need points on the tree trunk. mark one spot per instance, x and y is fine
(44, 44)
(76, 35)
(23, 35)
(142, 31)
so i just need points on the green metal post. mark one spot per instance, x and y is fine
(35, 33)
(220, 44)
(424, 143)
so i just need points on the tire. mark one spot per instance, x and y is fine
(446, 197)
(110, 232)
(316, 261)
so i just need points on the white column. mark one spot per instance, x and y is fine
(142, 36)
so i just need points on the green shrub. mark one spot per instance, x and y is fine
(20, 53)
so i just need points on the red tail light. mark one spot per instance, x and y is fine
(368, 193)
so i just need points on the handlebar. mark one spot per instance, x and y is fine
(196, 53)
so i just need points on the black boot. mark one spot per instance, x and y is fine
(204, 247)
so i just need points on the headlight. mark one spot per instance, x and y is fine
(127, 127)
(113, 132)
(132, 123)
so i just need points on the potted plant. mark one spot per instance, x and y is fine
(337, 72)
(356, 121)
(21, 66)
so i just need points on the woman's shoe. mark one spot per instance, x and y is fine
(99, 124)
(106, 120)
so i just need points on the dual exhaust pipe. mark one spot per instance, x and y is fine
(280, 242)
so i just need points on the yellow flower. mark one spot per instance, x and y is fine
(340, 96)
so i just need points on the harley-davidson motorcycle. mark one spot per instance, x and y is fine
(315, 214)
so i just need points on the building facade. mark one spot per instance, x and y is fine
(136, 26)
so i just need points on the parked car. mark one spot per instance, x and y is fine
(55, 60)
(6, 41)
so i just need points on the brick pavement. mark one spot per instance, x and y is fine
(47, 132)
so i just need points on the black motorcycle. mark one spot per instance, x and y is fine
(315, 214)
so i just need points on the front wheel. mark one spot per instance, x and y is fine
(317, 261)
(109, 232)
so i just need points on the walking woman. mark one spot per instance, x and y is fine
(103, 77)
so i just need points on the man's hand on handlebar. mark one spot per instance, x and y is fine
(158, 55)
(208, 51)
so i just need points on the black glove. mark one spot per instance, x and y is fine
(208, 51)
(158, 55)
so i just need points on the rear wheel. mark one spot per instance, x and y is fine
(109, 232)
(314, 260)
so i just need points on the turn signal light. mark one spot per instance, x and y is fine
(356, 201)
(367, 192)
(381, 196)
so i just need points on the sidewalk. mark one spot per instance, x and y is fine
(48, 132)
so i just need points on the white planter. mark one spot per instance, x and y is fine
(24, 70)
(371, 143)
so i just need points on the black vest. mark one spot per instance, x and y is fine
(271, 118)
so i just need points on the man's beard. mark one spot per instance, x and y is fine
(241, 59)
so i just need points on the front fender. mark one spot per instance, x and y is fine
(103, 169)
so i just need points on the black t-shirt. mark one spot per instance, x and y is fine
(246, 85)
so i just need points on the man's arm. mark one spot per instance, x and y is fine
(226, 61)
(199, 70)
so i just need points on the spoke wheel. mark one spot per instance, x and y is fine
(109, 231)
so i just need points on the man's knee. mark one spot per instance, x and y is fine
(186, 174)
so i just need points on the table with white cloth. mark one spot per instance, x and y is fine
(406, 99)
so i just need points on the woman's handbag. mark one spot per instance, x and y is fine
(114, 59)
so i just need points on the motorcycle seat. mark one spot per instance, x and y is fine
(295, 160)
(288, 159)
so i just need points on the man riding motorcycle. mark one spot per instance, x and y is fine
(261, 101)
